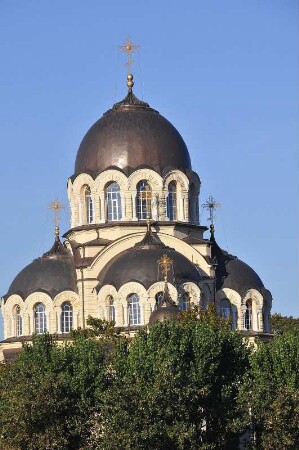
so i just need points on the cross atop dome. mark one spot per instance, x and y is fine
(129, 47)
(56, 206)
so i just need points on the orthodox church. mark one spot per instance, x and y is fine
(135, 251)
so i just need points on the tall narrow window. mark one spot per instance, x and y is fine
(184, 302)
(89, 205)
(248, 316)
(66, 317)
(113, 202)
(225, 308)
(134, 310)
(111, 309)
(143, 203)
(40, 321)
(172, 201)
(19, 322)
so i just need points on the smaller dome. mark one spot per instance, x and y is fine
(166, 310)
(233, 273)
(52, 273)
(140, 264)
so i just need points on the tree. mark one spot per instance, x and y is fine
(271, 393)
(48, 394)
(280, 323)
(174, 387)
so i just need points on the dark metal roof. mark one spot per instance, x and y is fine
(140, 264)
(52, 273)
(129, 136)
(233, 273)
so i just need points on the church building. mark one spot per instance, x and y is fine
(136, 251)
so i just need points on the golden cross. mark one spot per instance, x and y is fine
(56, 206)
(165, 263)
(129, 48)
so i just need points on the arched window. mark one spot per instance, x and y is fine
(143, 203)
(184, 302)
(89, 205)
(134, 310)
(225, 308)
(40, 321)
(66, 317)
(248, 316)
(159, 297)
(113, 202)
(19, 322)
(111, 309)
(172, 201)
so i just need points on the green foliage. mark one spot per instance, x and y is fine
(280, 324)
(174, 387)
(180, 385)
(48, 394)
(271, 393)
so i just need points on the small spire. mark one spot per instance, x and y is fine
(148, 223)
(212, 229)
(57, 232)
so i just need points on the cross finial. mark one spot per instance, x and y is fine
(165, 263)
(128, 47)
(211, 205)
(56, 206)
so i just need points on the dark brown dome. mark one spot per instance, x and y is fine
(52, 273)
(140, 264)
(233, 273)
(132, 135)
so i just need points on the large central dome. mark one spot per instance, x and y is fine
(129, 136)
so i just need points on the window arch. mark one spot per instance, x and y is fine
(134, 310)
(159, 297)
(66, 317)
(40, 321)
(18, 321)
(144, 197)
(172, 201)
(89, 205)
(225, 308)
(113, 201)
(184, 303)
(248, 316)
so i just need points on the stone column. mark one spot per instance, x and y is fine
(58, 323)
(133, 196)
(80, 210)
(102, 208)
(241, 316)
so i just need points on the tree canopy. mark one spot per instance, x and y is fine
(187, 384)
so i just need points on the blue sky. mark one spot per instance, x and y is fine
(224, 73)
